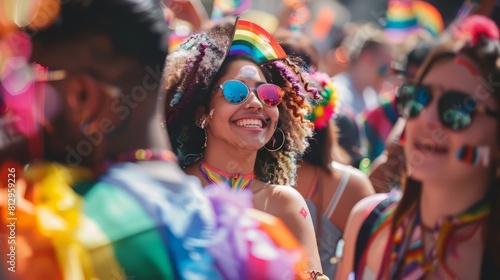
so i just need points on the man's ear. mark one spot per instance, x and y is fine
(84, 97)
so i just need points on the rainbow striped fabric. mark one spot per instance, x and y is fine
(255, 41)
(404, 256)
(406, 16)
(128, 225)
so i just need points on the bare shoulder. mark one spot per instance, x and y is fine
(281, 201)
(286, 203)
(367, 204)
(285, 193)
(358, 181)
(354, 223)
(360, 211)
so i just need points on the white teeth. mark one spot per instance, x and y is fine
(249, 123)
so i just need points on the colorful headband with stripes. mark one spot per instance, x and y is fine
(255, 41)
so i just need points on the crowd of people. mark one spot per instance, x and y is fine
(239, 153)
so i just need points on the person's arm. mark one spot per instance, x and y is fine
(288, 204)
(191, 11)
(356, 219)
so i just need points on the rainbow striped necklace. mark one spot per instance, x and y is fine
(408, 258)
(215, 176)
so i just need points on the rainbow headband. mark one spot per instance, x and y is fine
(253, 40)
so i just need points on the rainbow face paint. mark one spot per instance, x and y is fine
(474, 155)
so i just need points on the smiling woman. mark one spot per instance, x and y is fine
(445, 224)
(236, 114)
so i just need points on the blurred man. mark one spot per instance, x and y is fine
(109, 201)
(369, 65)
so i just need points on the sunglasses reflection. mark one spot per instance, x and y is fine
(456, 109)
(237, 92)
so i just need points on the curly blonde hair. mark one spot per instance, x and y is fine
(188, 79)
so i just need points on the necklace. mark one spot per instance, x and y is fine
(408, 255)
(215, 176)
(138, 155)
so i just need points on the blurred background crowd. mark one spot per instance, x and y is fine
(338, 100)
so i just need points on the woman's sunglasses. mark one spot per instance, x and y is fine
(456, 109)
(237, 92)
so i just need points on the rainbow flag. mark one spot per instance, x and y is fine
(253, 40)
(405, 17)
(428, 17)
(222, 8)
(400, 16)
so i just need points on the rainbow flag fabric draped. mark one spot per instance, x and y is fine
(127, 225)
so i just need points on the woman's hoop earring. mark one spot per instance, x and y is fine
(276, 142)
(204, 143)
(202, 123)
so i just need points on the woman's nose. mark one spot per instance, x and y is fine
(253, 101)
(430, 114)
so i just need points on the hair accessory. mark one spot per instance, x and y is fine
(175, 99)
(215, 176)
(276, 143)
(194, 40)
(324, 109)
(476, 27)
(255, 41)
